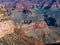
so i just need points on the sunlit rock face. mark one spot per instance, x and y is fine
(6, 27)
(41, 24)
(27, 28)
(41, 31)
(6, 24)
(35, 27)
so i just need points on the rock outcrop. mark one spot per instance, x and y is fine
(6, 27)
(6, 24)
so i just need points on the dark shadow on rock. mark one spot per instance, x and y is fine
(50, 21)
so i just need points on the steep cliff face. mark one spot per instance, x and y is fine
(6, 24)
(6, 27)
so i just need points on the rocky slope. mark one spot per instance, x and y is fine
(32, 22)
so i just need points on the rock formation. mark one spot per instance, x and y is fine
(6, 24)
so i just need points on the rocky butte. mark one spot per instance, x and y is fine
(6, 25)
